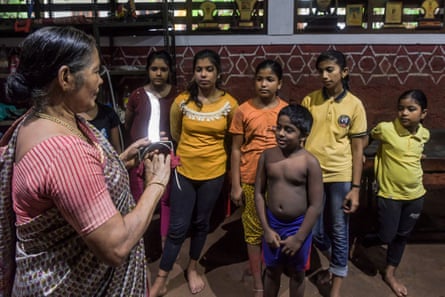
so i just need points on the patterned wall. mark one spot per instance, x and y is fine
(379, 73)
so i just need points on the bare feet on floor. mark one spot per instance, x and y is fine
(398, 288)
(324, 277)
(159, 288)
(195, 282)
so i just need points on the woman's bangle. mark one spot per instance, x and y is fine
(156, 183)
(355, 186)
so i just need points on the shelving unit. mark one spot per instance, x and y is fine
(185, 15)
(100, 20)
(371, 18)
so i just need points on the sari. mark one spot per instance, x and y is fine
(46, 256)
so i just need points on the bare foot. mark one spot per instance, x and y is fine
(398, 288)
(324, 277)
(195, 281)
(159, 286)
(336, 285)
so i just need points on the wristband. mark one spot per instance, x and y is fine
(355, 186)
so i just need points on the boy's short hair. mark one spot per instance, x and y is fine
(299, 116)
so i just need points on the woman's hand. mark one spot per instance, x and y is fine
(130, 156)
(112, 241)
(157, 169)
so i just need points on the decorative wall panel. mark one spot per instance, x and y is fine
(378, 73)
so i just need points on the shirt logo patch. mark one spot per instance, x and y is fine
(344, 121)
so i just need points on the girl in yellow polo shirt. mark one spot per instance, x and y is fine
(199, 120)
(399, 177)
(336, 139)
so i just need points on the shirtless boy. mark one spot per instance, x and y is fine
(292, 178)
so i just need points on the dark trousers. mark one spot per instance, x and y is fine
(397, 219)
(190, 209)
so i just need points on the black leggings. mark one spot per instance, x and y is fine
(397, 219)
(190, 208)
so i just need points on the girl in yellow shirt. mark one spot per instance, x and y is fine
(399, 175)
(199, 121)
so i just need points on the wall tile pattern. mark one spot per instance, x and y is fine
(378, 73)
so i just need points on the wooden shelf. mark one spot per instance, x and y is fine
(159, 15)
(372, 18)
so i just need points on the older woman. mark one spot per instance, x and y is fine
(78, 230)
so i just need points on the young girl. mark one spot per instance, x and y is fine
(252, 130)
(336, 139)
(199, 120)
(106, 120)
(148, 115)
(399, 177)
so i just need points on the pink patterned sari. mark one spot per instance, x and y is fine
(46, 256)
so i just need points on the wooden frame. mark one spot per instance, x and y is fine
(393, 12)
(354, 15)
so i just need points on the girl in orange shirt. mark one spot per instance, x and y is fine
(253, 132)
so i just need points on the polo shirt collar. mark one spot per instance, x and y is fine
(402, 131)
(338, 98)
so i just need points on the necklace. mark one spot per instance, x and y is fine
(62, 123)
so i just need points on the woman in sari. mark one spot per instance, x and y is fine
(69, 225)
